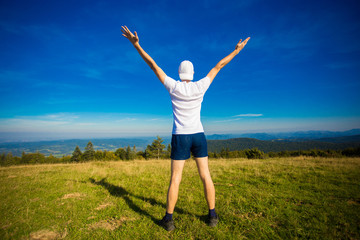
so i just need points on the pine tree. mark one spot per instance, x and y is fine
(89, 153)
(77, 155)
(2, 161)
(129, 154)
(134, 152)
(156, 149)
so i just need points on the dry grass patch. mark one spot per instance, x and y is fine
(252, 215)
(72, 195)
(102, 206)
(354, 202)
(224, 184)
(109, 224)
(44, 235)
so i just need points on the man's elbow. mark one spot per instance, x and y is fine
(218, 67)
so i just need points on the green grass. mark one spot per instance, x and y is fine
(291, 198)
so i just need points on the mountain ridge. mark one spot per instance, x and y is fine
(237, 144)
(66, 147)
(295, 136)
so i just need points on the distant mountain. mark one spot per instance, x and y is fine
(66, 147)
(294, 136)
(266, 146)
(347, 139)
(266, 142)
(219, 136)
(307, 135)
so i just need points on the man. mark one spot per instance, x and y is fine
(188, 133)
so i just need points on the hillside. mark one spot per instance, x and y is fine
(283, 145)
(293, 136)
(66, 147)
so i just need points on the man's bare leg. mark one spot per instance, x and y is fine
(177, 167)
(209, 189)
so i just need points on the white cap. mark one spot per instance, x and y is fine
(186, 70)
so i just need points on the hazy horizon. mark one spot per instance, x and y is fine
(35, 137)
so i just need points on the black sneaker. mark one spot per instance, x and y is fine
(167, 224)
(213, 221)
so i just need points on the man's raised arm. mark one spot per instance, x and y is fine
(134, 39)
(213, 72)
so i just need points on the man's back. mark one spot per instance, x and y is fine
(186, 98)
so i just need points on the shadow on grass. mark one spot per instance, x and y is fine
(119, 191)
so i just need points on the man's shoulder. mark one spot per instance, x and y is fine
(204, 83)
(170, 79)
(204, 79)
(169, 83)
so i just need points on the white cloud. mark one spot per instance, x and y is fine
(250, 115)
(228, 120)
(60, 116)
(126, 119)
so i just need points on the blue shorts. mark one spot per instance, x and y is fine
(183, 144)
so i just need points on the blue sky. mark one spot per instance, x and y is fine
(66, 71)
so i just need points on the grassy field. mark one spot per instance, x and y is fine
(290, 198)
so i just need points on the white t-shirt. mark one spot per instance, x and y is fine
(186, 98)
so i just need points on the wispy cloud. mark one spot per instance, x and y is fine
(238, 117)
(249, 115)
(60, 116)
(228, 120)
(127, 119)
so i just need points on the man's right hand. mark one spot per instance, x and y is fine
(129, 35)
(241, 45)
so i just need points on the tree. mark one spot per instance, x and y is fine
(134, 152)
(156, 149)
(109, 155)
(9, 159)
(140, 155)
(100, 155)
(65, 159)
(89, 153)
(130, 155)
(76, 155)
(2, 161)
(32, 158)
(121, 153)
(51, 159)
(224, 153)
(254, 153)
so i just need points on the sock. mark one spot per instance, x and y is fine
(212, 212)
(168, 216)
